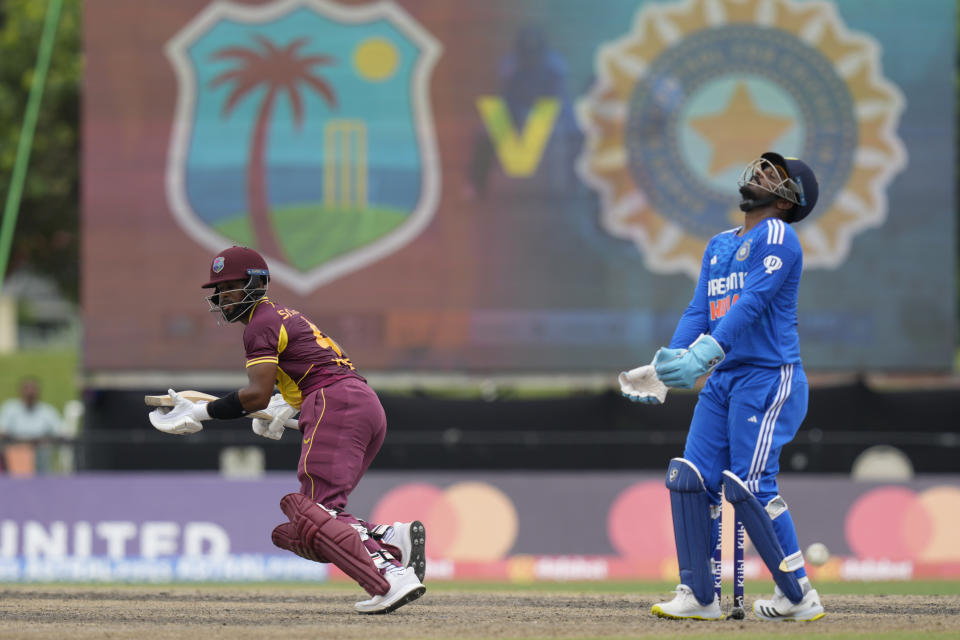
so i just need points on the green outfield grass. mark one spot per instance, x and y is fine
(758, 588)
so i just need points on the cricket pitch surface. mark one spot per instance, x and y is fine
(266, 612)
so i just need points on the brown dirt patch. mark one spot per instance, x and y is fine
(211, 612)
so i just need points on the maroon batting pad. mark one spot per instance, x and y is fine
(327, 537)
(285, 536)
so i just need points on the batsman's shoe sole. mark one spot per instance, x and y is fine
(410, 539)
(418, 550)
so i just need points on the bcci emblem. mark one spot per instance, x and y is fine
(303, 129)
(700, 88)
(743, 251)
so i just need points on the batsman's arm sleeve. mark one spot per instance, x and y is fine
(696, 319)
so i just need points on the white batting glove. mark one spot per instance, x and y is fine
(280, 410)
(182, 418)
(642, 385)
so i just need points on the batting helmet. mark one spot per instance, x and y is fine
(236, 263)
(245, 265)
(807, 190)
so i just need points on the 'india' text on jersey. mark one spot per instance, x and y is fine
(746, 296)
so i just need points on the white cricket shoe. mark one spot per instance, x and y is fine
(780, 608)
(411, 539)
(685, 606)
(405, 587)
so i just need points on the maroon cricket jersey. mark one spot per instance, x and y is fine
(306, 358)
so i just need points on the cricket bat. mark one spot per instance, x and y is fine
(199, 396)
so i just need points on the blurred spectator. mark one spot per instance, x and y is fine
(28, 430)
(531, 71)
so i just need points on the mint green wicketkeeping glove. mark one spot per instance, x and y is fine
(700, 357)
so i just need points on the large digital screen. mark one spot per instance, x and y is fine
(510, 185)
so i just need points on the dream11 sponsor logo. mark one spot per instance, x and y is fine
(117, 539)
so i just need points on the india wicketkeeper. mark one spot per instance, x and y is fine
(742, 326)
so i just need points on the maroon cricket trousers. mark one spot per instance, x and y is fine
(343, 428)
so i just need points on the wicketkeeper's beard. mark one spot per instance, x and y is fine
(754, 197)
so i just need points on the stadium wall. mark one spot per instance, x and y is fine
(579, 431)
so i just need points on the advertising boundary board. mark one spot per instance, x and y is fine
(166, 527)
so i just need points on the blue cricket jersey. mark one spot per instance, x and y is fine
(746, 296)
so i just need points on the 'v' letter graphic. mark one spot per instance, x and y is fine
(519, 155)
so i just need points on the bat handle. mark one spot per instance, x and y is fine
(291, 423)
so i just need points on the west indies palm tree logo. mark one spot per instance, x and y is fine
(303, 129)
